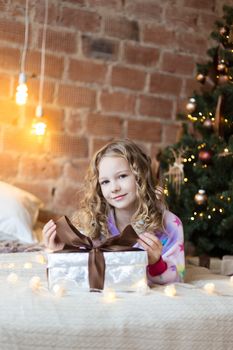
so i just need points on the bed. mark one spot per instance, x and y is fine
(32, 317)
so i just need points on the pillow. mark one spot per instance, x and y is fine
(19, 210)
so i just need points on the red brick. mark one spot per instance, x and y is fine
(10, 112)
(141, 55)
(171, 133)
(76, 2)
(158, 34)
(117, 102)
(58, 41)
(76, 170)
(5, 82)
(191, 85)
(179, 64)
(33, 90)
(76, 96)
(40, 190)
(69, 146)
(67, 197)
(102, 48)
(87, 71)
(200, 4)
(191, 43)
(146, 9)
(110, 4)
(165, 84)
(53, 116)
(53, 12)
(8, 165)
(74, 124)
(98, 143)
(9, 58)
(144, 130)
(122, 28)
(181, 17)
(11, 30)
(42, 168)
(128, 78)
(54, 66)
(83, 20)
(100, 125)
(22, 141)
(156, 107)
(207, 20)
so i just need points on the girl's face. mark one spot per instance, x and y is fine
(118, 183)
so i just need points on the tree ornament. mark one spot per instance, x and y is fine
(200, 197)
(222, 31)
(208, 124)
(191, 105)
(200, 77)
(223, 79)
(221, 67)
(230, 39)
(205, 156)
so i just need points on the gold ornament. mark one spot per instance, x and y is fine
(208, 124)
(222, 31)
(223, 79)
(191, 105)
(200, 77)
(221, 67)
(200, 197)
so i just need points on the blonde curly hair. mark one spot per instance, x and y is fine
(92, 217)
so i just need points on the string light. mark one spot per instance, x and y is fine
(22, 89)
(39, 124)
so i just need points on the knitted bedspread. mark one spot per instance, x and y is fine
(37, 319)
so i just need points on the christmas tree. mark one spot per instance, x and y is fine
(198, 170)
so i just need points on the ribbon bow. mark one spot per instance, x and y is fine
(75, 240)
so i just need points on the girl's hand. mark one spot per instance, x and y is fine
(51, 240)
(152, 245)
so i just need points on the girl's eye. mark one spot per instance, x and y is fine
(105, 182)
(122, 176)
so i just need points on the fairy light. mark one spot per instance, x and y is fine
(185, 179)
(22, 89)
(38, 124)
(209, 288)
(170, 290)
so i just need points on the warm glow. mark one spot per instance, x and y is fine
(38, 127)
(21, 94)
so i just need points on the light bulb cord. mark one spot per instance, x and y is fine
(23, 58)
(42, 70)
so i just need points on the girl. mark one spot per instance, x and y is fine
(120, 189)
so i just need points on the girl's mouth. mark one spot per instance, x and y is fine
(117, 198)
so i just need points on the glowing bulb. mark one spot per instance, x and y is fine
(209, 288)
(170, 290)
(21, 90)
(39, 125)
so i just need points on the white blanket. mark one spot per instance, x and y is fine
(38, 320)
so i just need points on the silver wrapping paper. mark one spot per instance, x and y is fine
(124, 271)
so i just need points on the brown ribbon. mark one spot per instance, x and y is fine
(75, 241)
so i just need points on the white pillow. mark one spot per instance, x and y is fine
(18, 213)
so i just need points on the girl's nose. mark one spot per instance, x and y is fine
(115, 186)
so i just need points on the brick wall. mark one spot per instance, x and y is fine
(114, 68)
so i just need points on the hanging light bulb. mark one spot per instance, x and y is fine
(39, 124)
(21, 90)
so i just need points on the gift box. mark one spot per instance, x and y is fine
(227, 265)
(114, 263)
(124, 271)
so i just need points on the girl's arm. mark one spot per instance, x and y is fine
(171, 266)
